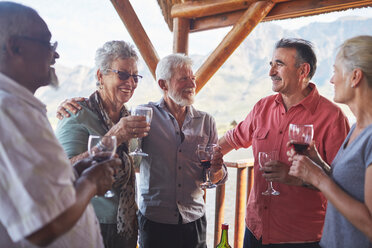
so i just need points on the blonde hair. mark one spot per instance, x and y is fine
(355, 53)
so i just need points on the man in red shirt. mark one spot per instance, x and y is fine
(295, 217)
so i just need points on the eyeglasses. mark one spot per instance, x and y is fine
(125, 75)
(52, 46)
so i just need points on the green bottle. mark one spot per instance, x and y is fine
(224, 243)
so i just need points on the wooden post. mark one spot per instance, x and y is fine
(181, 27)
(138, 34)
(240, 203)
(233, 39)
(219, 214)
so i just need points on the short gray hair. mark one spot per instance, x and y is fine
(167, 65)
(305, 52)
(355, 53)
(112, 50)
(14, 21)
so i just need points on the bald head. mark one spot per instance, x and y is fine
(26, 54)
(15, 20)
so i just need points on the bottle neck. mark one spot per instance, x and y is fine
(224, 238)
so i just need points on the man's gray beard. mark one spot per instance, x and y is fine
(179, 100)
(53, 79)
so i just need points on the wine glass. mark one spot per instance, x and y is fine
(141, 111)
(205, 155)
(101, 148)
(300, 136)
(263, 158)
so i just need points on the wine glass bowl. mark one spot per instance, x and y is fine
(102, 148)
(263, 158)
(300, 136)
(205, 155)
(141, 111)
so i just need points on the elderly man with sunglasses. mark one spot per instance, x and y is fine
(44, 201)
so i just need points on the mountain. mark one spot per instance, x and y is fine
(240, 82)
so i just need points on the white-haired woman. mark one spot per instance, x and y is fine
(348, 187)
(104, 113)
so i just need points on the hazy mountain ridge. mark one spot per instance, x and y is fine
(240, 82)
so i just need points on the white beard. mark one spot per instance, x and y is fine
(53, 79)
(177, 98)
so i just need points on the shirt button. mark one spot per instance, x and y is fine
(177, 133)
(179, 185)
(180, 167)
(282, 113)
(265, 207)
(280, 132)
(179, 150)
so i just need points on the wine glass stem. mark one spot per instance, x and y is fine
(208, 175)
(271, 185)
(138, 144)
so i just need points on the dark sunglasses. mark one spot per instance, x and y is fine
(125, 75)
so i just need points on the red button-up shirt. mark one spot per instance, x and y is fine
(297, 214)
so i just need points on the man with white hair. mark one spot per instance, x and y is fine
(44, 201)
(172, 210)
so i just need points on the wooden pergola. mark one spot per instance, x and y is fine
(187, 16)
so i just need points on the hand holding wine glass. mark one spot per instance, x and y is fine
(263, 158)
(300, 136)
(141, 111)
(102, 148)
(205, 155)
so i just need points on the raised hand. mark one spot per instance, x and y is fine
(130, 127)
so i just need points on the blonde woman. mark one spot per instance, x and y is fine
(348, 187)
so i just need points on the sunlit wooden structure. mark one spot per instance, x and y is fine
(187, 16)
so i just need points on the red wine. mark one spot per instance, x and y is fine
(100, 159)
(299, 147)
(206, 163)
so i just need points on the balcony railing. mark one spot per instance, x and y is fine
(244, 183)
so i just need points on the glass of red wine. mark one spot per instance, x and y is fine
(205, 155)
(102, 148)
(300, 136)
(263, 158)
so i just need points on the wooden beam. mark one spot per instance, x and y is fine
(138, 34)
(240, 206)
(181, 27)
(219, 214)
(232, 40)
(281, 11)
(195, 9)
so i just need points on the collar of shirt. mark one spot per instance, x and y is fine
(191, 112)
(310, 102)
(14, 88)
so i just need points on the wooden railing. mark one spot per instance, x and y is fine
(244, 183)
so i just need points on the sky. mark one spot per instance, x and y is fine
(81, 26)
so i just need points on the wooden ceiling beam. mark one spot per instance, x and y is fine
(195, 9)
(247, 22)
(283, 10)
(138, 34)
(181, 28)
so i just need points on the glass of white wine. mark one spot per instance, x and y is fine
(263, 158)
(102, 148)
(141, 111)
